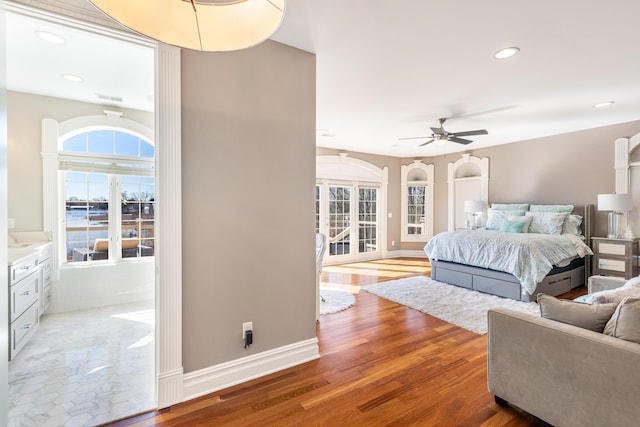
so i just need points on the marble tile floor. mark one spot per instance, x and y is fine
(85, 368)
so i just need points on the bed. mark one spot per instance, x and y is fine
(550, 254)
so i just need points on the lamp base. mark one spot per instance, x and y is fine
(613, 225)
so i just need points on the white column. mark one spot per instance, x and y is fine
(168, 227)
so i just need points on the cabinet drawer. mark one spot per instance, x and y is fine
(497, 287)
(618, 249)
(464, 280)
(22, 329)
(19, 271)
(618, 265)
(23, 295)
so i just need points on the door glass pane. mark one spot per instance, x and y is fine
(87, 216)
(416, 197)
(138, 216)
(367, 220)
(339, 220)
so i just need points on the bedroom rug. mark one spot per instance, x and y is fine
(458, 306)
(335, 300)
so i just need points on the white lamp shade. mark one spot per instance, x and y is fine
(208, 25)
(614, 202)
(473, 206)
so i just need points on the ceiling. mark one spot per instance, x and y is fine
(388, 70)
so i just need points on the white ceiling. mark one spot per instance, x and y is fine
(387, 70)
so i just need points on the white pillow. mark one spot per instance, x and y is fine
(629, 289)
(572, 225)
(546, 222)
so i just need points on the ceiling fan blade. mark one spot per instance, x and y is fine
(425, 143)
(438, 131)
(459, 140)
(414, 137)
(471, 132)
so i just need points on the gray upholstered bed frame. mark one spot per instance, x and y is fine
(506, 285)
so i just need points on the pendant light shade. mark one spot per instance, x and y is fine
(208, 25)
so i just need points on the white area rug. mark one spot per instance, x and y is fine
(458, 306)
(335, 300)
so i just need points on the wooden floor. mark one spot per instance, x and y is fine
(382, 364)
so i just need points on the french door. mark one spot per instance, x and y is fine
(347, 213)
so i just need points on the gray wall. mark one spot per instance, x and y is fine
(24, 115)
(248, 171)
(571, 168)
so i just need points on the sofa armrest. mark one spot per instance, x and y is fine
(604, 283)
(562, 374)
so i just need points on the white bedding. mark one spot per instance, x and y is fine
(528, 256)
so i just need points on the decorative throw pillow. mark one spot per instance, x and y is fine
(586, 316)
(496, 217)
(629, 289)
(625, 322)
(546, 222)
(512, 227)
(525, 220)
(510, 206)
(552, 208)
(572, 225)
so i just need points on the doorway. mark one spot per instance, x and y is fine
(350, 208)
(104, 326)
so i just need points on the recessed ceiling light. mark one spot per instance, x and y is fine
(507, 52)
(50, 37)
(72, 78)
(603, 104)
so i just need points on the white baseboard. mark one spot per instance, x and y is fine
(406, 254)
(214, 378)
(419, 253)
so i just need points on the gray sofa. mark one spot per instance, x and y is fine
(562, 374)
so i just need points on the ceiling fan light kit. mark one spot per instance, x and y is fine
(206, 25)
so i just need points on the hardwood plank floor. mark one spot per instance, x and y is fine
(382, 364)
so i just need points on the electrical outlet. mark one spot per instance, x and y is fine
(393, 243)
(247, 326)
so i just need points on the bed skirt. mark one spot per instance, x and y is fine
(557, 282)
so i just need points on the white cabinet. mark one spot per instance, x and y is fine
(29, 292)
(24, 302)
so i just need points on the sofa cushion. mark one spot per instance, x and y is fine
(630, 288)
(587, 316)
(625, 322)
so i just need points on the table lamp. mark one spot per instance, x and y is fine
(616, 204)
(472, 207)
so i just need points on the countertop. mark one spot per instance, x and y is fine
(19, 251)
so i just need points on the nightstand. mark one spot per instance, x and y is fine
(615, 257)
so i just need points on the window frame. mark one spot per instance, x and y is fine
(426, 171)
(56, 161)
(115, 167)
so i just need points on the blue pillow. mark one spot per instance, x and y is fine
(512, 226)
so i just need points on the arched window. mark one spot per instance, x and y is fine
(417, 202)
(101, 206)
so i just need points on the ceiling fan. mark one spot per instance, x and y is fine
(439, 134)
